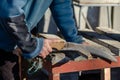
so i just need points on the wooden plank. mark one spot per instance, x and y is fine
(54, 77)
(106, 74)
(103, 18)
(79, 11)
(82, 21)
(109, 32)
(98, 1)
(84, 65)
(107, 50)
(56, 45)
(116, 19)
(113, 45)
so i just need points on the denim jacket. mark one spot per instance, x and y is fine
(34, 10)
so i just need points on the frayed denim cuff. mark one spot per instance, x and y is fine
(77, 39)
(36, 51)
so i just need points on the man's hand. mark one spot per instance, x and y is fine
(47, 47)
(85, 43)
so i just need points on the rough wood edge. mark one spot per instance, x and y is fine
(113, 45)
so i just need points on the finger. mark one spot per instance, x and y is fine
(85, 43)
(42, 55)
(44, 52)
(47, 45)
(55, 40)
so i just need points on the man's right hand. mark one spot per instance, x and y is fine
(46, 47)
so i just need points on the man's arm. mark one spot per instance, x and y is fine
(17, 29)
(63, 14)
(13, 21)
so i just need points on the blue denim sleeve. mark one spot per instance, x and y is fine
(36, 52)
(11, 8)
(63, 14)
(13, 21)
